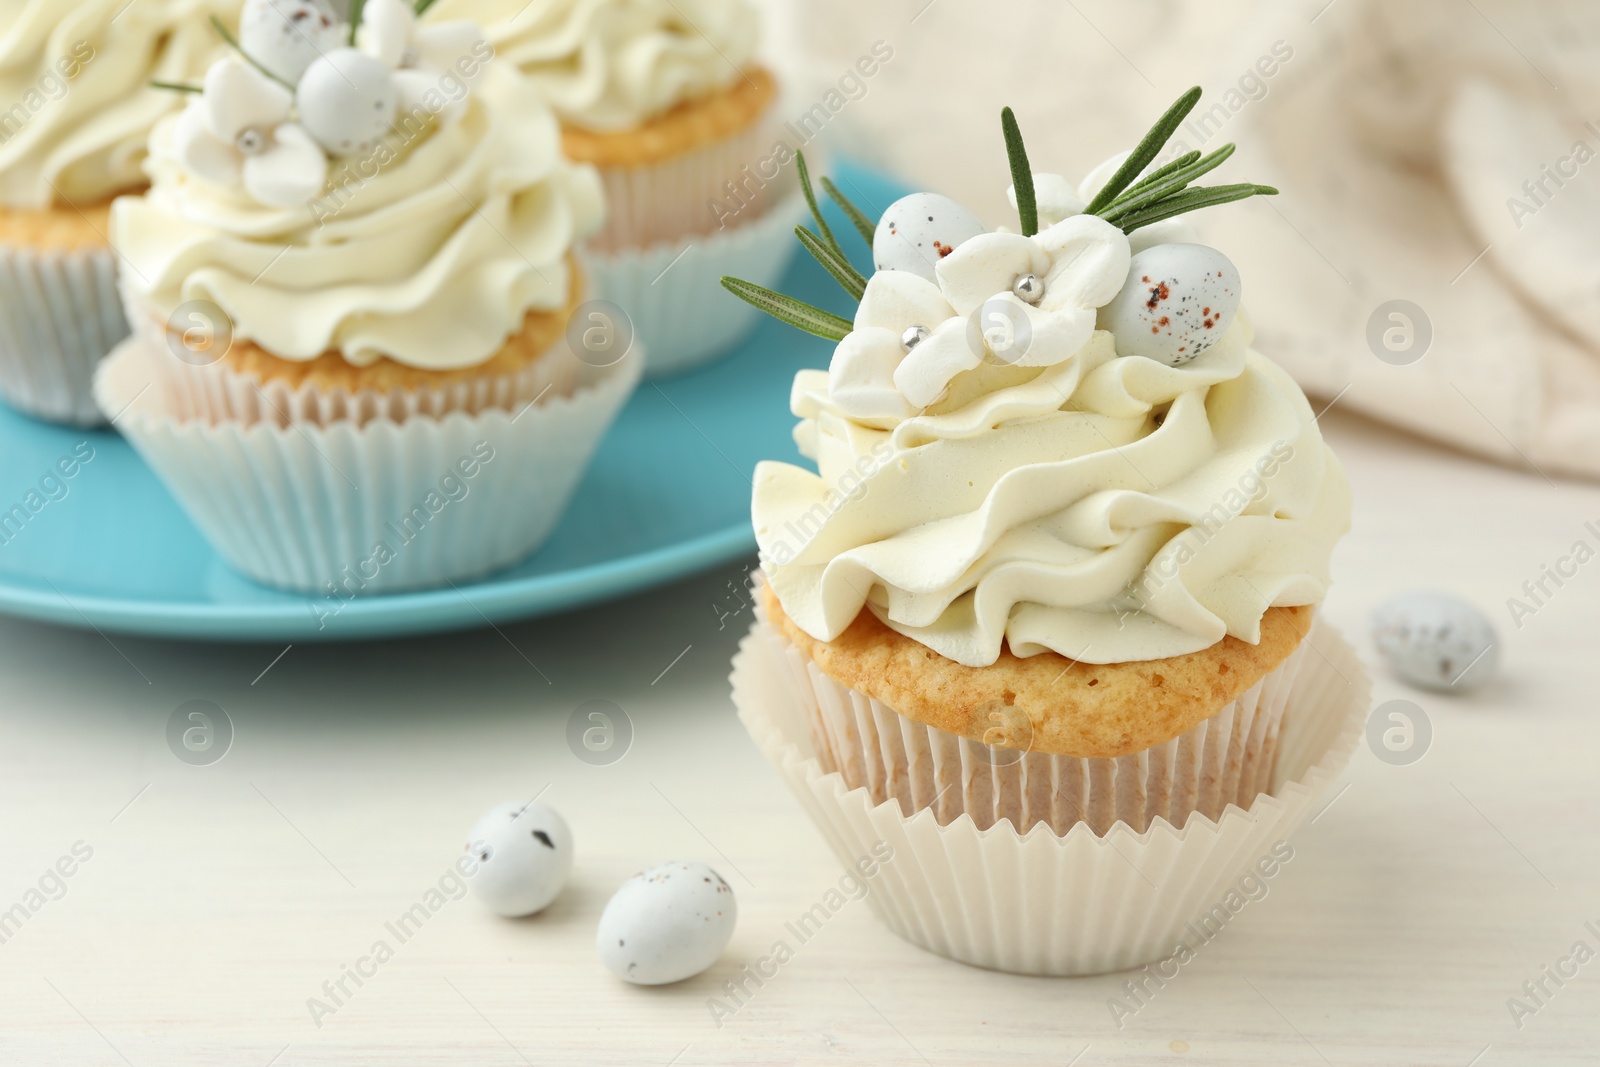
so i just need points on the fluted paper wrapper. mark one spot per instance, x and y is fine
(216, 392)
(305, 506)
(671, 201)
(59, 315)
(1040, 902)
(1226, 759)
(673, 294)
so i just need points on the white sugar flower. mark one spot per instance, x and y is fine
(434, 64)
(1001, 297)
(896, 306)
(240, 131)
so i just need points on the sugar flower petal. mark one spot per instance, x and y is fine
(1088, 262)
(861, 376)
(239, 97)
(289, 173)
(896, 299)
(387, 28)
(985, 265)
(203, 152)
(925, 373)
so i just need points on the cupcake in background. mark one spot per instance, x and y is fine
(76, 78)
(667, 99)
(1043, 617)
(351, 302)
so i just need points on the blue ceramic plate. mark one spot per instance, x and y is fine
(668, 494)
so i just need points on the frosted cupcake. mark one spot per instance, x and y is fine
(351, 303)
(668, 100)
(1054, 579)
(80, 109)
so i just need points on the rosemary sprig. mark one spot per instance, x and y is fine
(1166, 192)
(1169, 185)
(1146, 151)
(787, 309)
(1192, 200)
(1161, 172)
(811, 202)
(1021, 174)
(857, 218)
(849, 279)
(356, 7)
(233, 43)
(176, 87)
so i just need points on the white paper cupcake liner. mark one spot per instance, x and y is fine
(216, 392)
(342, 509)
(1227, 759)
(1039, 902)
(59, 315)
(673, 293)
(671, 201)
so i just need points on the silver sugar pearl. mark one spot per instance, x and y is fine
(251, 142)
(1029, 288)
(913, 337)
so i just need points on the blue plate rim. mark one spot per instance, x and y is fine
(394, 614)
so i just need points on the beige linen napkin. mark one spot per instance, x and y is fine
(1441, 153)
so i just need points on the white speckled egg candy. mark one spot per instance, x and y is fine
(1179, 300)
(347, 100)
(1436, 641)
(286, 36)
(524, 853)
(919, 230)
(666, 924)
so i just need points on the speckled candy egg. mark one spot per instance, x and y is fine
(286, 36)
(524, 853)
(919, 230)
(1178, 301)
(1436, 641)
(666, 924)
(347, 100)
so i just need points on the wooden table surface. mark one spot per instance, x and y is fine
(215, 901)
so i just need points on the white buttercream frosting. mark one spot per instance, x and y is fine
(1040, 492)
(431, 253)
(614, 64)
(75, 80)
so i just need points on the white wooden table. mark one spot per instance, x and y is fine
(218, 899)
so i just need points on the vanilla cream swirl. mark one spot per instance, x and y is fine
(75, 81)
(1107, 509)
(613, 64)
(433, 261)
